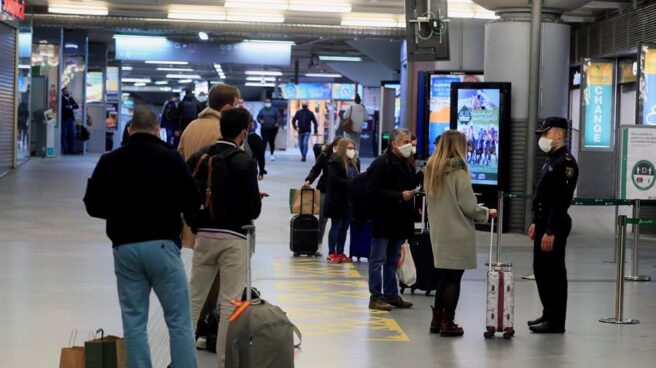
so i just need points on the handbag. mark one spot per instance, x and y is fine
(106, 352)
(406, 270)
(72, 356)
(347, 124)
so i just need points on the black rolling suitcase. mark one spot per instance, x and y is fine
(422, 253)
(304, 233)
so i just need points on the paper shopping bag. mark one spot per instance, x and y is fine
(106, 352)
(72, 356)
(305, 201)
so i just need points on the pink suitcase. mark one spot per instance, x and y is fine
(500, 308)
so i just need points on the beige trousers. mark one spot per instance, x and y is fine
(227, 257)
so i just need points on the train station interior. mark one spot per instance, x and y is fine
(74, 74)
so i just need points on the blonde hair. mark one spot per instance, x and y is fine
(451, 145)
(341, 152)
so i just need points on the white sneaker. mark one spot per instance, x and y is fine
(201, 343)
(273, 158)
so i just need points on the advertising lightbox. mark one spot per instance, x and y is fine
(646, 110)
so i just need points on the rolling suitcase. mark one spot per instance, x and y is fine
(500, 307)
(260, 335)
(360, 246)
(422, 253)
(304, 233)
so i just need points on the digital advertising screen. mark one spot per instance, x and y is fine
(440, 104)
(94, 87)
(479, 118)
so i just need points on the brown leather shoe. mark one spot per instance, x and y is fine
(378, 304)
(436, 322)
(398, 302)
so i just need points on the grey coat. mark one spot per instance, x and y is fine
(451, 217)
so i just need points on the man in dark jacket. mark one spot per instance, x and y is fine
(170, 119)
(269, 118)
(188, 110)
(68, 107)
(391, 185)
(220, 240)
(302, 122)
(130, 188)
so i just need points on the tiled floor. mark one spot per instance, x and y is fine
(56, 275)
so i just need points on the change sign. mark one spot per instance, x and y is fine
(598, 104)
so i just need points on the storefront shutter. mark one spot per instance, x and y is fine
(7, 96)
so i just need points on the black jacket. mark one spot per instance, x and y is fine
(131, 188)
(188, 110)
(387, 178)
(303, 120)
(320, 168)
(337, 196)
(237, 194)
(68, 107)
(256, 146)
(554, 191)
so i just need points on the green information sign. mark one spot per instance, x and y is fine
(638, 160)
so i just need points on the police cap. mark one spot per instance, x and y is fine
(552, 122)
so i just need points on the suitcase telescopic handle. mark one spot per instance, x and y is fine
(489, 267)
(250, 241)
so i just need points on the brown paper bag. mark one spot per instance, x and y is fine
(305, 201)
(72, 356)
(106, 352)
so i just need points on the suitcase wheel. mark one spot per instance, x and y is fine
(296, 254)
(412, 291)
(489, 333)
(317, 254)
(428, 293)
(358, 259)
(508, 334)
(402, 290)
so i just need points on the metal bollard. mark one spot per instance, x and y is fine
(617, 213)
(635, 275)
(619, 286)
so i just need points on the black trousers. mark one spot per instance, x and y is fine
(551, 273)
(269, 137)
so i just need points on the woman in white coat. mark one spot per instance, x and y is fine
(452, 210)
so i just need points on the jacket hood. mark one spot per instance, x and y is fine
(209, 113)
(454, 164)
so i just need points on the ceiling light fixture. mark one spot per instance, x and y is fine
(140, 84)
(251, 84)
(257, 4)
(164, 69)
(196, 13)
(127, 68)
(264, 72)
(203, 36)
(183, 76)
(185, 81)
(166, 62)
(162, 83)
(24, 66)
(255, 18)
(275, 42)
(261, 79)
(339, 58)
(323, 75)
(135, 80)
(320, 7)
(74, 9)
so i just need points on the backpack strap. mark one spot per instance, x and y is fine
(299, 334)
(208, 189)
(199, 163)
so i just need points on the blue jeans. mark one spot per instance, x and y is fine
(337, 235)
(385, 254)
(68, 137)
(303, 139)
(140, 268)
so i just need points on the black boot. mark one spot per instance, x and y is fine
(436, 322)
(450, 328)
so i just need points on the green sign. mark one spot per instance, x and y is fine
(638, 158)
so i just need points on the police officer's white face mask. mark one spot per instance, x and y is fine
(545, 144)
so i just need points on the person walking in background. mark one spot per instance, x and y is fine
(221, 241)
(358, 115)
(452, 210)
(343, 166)
(126, 189)
(391, 185)
(302, 122)
(552, 225)
(254, 146)
(188, 110)
(269, 119)
(169, 119)
(68, 107)
(321, 168)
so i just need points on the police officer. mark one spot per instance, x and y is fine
(552, 225)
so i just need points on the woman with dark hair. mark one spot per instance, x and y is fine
(321, 168)
(343, 167)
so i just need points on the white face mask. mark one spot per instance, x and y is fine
(350, 153)
(545, 144)
(267, 105)
(406, 150)
(414, 150)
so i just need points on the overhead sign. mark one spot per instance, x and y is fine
(307, 91)
(647, 85)
(597, 104)
(638, 163)
(159, 48)
(343, 91)
(15, 8)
